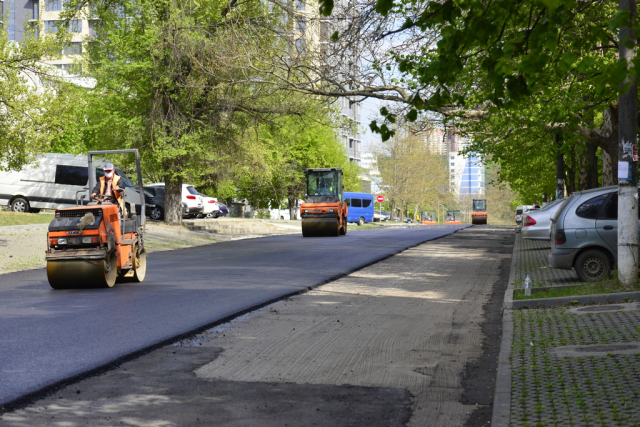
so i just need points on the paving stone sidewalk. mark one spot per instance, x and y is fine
(572, 366)
(532, 258)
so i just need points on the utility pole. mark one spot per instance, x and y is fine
(627, 157)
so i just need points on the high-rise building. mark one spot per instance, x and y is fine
(466, 173)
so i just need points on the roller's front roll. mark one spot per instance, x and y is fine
(319, 227)
(80, 273)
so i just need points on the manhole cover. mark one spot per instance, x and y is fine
(601, 308)
(596, 350)
(608, 348)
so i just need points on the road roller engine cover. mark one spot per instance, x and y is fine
(96, 244)
(324, 211)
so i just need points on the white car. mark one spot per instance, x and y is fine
(209, 206)
(190, 196)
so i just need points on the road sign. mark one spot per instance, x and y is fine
(380, 199)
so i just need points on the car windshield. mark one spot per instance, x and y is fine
(322, 183)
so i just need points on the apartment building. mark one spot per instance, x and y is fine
(312, 32)
(42, 17)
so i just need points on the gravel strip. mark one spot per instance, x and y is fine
(24, 248)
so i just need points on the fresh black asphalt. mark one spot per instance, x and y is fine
(49, 335)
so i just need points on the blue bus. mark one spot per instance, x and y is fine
(360, 208)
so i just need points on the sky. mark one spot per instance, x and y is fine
(370, 110)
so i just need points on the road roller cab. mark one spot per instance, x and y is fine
(324, 212)
(479, 212)
(428, 218)
(95, 244)
(453, 217)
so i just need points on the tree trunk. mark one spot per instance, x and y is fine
(628, 179)
(415, 212)
(607, 170)
(173, 200)
(592, 167)
(559, 168)
(393, 209)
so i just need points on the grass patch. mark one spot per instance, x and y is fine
(15, 218)
(602, 287)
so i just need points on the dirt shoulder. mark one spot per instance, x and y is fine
(384, 346)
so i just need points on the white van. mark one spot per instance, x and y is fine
(54, 181)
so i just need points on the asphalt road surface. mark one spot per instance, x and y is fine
(47, 336)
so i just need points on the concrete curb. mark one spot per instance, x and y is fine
(23, 227)
(501, 413)
(581, 299)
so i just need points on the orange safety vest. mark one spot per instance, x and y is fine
(114, 184)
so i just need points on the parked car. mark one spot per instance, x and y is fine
(190, 196)
(209, 206)
(537, 222)
(520, 211)
(222, 210)
(584, 233)
(157, 212)
(408, 220)
(284, 212)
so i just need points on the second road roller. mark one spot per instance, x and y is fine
(324, 211)
(96, 244)
(479, 212)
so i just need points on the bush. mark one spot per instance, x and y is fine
(263, 214)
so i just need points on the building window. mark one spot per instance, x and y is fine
(300, 46)
(52, 5)
(75, 48)
(50, 26)
(92, 29)
(301, 24)
(35, 30)
(453, 170)
(300, 5)
(453, 164)
(350, 143)
(36, 11)
(75, 26)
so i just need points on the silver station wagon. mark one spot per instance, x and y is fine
(584, 233)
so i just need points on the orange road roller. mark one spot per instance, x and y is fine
(479, 211)
(97, 244)
(324, 211)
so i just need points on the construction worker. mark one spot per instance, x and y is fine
(108, 186)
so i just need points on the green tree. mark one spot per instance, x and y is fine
(34, 101)
(181, 81)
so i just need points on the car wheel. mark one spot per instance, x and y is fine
(156, 213)
(20, 205)
(592, 265)
(360, 221)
